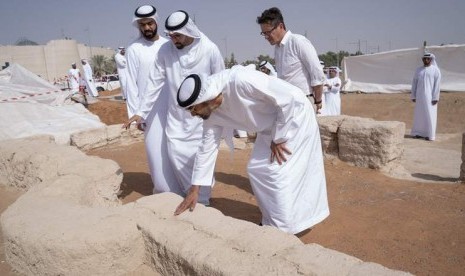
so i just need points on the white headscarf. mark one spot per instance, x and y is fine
(196, 89)
(268, 66)
(180, 22)
(432, 56)
(145, 11)
(335, 68)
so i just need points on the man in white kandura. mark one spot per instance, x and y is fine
(74, 77)
(332, 96)
(425, 95)
(140, 55)
(267, 68)
(286, 167)
(122, 68)
(190, 51)
(89, 78)
(140, 58)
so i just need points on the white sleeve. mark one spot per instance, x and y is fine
(205, 160)
(132, 90)
(155, 83)
(310, 61)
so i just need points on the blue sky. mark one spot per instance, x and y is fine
(331, 24)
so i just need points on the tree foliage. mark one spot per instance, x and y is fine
(332, 58)
(102, 65)
(231, 62)
(259, 59)
(25, 42)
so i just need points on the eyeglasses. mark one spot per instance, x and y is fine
(267, 33)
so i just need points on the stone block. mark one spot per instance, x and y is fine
(371, 144)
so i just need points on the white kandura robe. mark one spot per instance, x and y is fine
(73, 77)
(140, 57)
(89, 80)
(291, 196)
(184, 132)
(425, 88)
(122, 69)
(333, 97)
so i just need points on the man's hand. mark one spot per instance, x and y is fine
(135, 118)
(278, 151)
(190, 201)
(318, 108)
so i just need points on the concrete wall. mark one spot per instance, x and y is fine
(52, 60)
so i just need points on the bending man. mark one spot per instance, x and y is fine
(286, 168)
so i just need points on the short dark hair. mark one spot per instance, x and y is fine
(271, 16)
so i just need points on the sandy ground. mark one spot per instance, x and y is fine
(411, 220)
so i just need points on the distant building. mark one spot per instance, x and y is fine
(53, 60)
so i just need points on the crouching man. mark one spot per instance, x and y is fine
(286, 167)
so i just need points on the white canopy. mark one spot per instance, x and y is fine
(392, 72)
(31, 106)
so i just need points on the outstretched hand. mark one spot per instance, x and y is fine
(190, 201)
(278, 152)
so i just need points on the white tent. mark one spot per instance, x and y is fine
(392, 72)
(31, 106)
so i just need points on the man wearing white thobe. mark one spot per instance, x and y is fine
(190, 51)
(286, 168)
(332, 96)
(74, 78)
(140, 58)
(89, 78)
(121, 67)
(425, 95)
(296, 59)
(267, 68)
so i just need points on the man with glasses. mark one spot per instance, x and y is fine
(425, 95)
(295, 57)
(191, 51)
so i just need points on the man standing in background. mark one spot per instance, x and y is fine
(89, 78)
(140, 57)
(74, 78)
(296, 59)
(425, 95)
(121, 67)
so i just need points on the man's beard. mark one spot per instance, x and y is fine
(149, 34)
(204, 117)
(179, 46)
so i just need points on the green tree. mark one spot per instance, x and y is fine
(259, 59)
(102, 65)
(231, 62)
(332, 58)
(25, 42)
